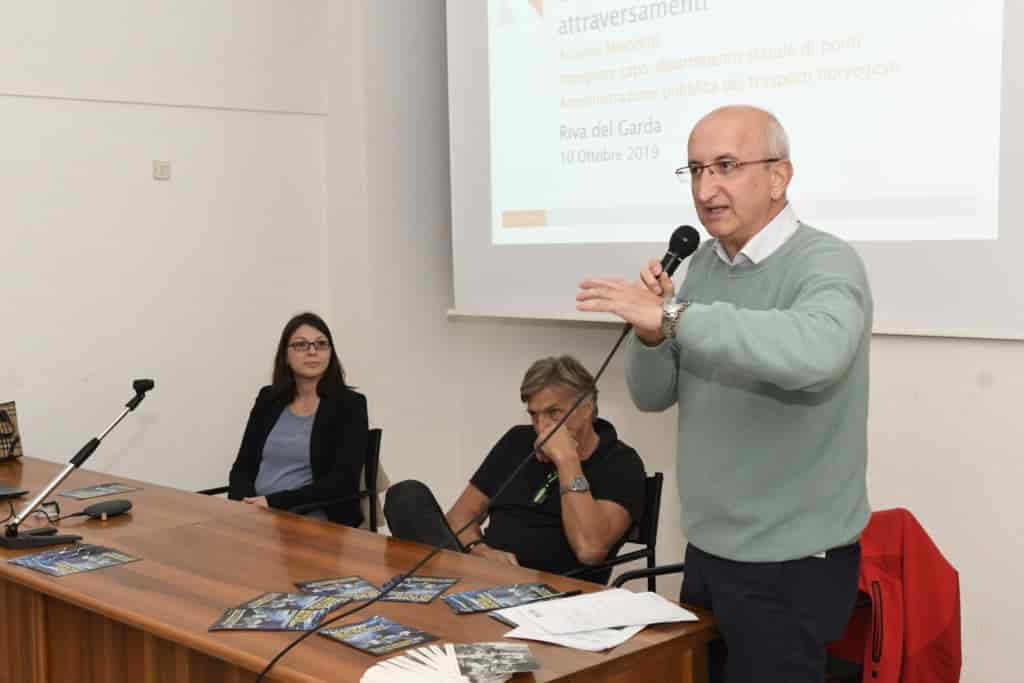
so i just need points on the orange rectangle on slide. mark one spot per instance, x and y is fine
(524, 219)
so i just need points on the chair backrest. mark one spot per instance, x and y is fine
(374, 481)
(413, 514)
(645, 530)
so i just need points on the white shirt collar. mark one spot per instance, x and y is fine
(765, 242)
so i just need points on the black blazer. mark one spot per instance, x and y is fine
(337, 453)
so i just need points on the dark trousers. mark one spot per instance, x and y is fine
(775, 617)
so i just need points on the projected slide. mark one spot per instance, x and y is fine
(893, 112)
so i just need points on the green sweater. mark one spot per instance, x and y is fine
(770, 369)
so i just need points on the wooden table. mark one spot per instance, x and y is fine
(147, 621)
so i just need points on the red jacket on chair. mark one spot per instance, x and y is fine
(911, 632)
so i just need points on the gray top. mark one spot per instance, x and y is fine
(285, 465)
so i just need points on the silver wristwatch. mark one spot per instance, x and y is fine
(670, 312)
(579, 484)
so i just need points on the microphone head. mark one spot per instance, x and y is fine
(684, 241)
(141, 386)
(108, 508)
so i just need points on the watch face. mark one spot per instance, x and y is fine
(578, 484)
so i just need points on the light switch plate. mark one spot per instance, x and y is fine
(161, 170)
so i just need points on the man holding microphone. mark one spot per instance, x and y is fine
(765, 348)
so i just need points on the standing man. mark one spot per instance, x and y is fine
(766, 351)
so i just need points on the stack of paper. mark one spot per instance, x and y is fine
(593, 621)
(460, 663)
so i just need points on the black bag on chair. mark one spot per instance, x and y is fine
(413, 514)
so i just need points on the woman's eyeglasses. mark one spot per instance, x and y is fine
(302, 345)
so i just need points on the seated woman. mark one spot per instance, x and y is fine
(305, 441)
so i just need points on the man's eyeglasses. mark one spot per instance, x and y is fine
(302, 345)
(722, 167)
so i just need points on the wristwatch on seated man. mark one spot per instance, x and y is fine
(579, 484)
(670, 312)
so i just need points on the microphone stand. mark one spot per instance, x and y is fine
(12, 538)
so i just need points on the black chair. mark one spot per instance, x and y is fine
(413, 514)
(371, 482)
(644, 531)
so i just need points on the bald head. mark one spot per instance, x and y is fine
(742, 157)
(757, 124)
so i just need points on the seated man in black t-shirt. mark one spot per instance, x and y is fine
(572, 504)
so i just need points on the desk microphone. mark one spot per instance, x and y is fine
(34, 538)
(105, 510)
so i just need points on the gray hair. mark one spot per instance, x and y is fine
(776, 141)
(563, 370)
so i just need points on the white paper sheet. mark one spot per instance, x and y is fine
(596, 611)
(591, 641)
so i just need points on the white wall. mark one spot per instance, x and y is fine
(944, 416)
(275, 206)
(231, 54)
(106, 274)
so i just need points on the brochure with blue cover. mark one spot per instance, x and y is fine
(498, 597)
(420, 589)
(99, 490)
(353, 588)
(260, 619)
(295, 601)
(378, 635)
(82, 557)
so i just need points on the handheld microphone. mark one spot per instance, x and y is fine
(683, 242)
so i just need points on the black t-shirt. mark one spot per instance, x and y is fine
(533, 532)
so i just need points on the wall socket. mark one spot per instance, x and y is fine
(161, 170)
